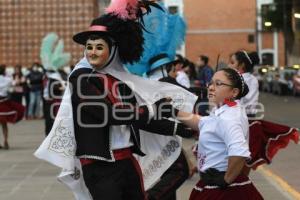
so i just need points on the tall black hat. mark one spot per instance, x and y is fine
(122, 23)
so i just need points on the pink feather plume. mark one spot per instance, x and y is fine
(124, 9)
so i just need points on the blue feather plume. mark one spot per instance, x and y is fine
(164, 33)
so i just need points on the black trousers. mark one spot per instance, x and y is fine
(170, 181)
(118, 180)
(47, 116)
(17, 97)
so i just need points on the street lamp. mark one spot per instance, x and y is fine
(296, 66)
(297, 15)
(268, 24)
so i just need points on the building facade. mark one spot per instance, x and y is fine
(219, 28)
(270, 44)
(215, 28)
(24, 23)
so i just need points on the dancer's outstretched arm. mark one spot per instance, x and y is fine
(189, 119)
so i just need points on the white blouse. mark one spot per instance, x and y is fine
(223, 133)
(183, 79)
(5, 84)
(251, 99)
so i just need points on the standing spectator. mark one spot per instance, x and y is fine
(35, 84)
(172, 74)
(182, 77)
(192, 71)
(10, 111)
(26, 93)
(205, 72)
(18, 85)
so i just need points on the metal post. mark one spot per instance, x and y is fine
(256, 27)
(285, 33)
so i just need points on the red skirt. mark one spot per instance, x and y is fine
(241, 188)
(266, 138)
(11, 111)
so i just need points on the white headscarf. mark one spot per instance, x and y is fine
(149, 90)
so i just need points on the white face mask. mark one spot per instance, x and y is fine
(97, 52)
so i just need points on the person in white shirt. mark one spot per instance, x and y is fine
(10, 111)
(244, 63)
(223, 141)
(265, 138)
(182, 78)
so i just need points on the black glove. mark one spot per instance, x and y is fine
(163, 108)
(214, 177)
(184, 131)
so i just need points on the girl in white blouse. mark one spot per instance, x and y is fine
(244, 63)
(265, 138)
(223, 141)
(10, 111)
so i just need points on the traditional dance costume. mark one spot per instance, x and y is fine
(104, 131)
(164, 32)
(53, 91)
(10, 111)
(118, 138)
(251, 99)
(53, 59)
(223, 133)
(106, 153)
(265, 138)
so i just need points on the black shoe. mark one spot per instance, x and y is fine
(6, 146)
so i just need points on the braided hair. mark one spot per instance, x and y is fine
(248, 59)
(237, 81)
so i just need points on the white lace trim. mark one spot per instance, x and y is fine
(97, 158)
(4, 99)
(215, 187)
(175, 128)
(8, 113)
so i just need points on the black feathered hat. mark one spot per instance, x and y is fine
(123, 24)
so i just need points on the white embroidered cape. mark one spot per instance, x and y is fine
(59, 146)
